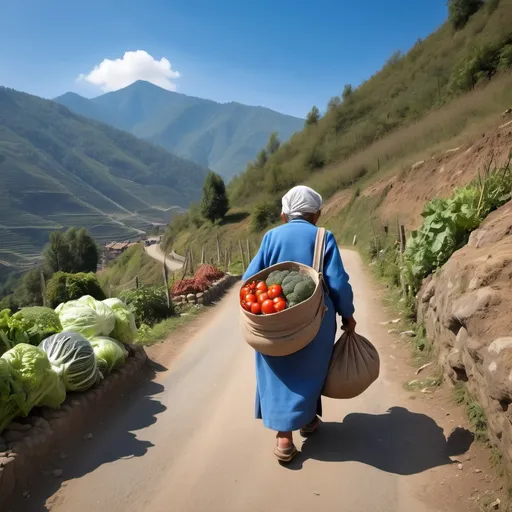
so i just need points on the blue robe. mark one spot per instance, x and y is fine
(289, 388)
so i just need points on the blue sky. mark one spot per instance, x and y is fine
(283, 54)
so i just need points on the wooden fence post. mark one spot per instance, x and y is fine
(242, 254)
(166, 284)
(218, 249)
(137, 283)
(401, 241)
(202, 256)
(191, 261)
(226, 258)
(43, 288)
(248, 252)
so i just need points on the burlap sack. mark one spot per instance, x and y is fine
(289, 331)
(355, 365)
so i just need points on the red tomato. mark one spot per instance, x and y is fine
(256, 308)
(261, 286)
(259, 292)
(275, 291)
(253, 285)
(262, 297)
(244, 291)
(245, 306)
(267, 308)
(279, 305)
(251, 298)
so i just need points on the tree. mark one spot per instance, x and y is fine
(313, 117)
(333, 102)
(72, 251)
(273, 143)
(347, 91)
(29, 293)
(261, 159)
(459, 11)
(214, 204)
(56, 254)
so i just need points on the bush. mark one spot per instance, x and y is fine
(63, 287)
(148, 304)
(264, 215)
(459, 11)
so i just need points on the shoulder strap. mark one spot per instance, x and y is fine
(318, 259)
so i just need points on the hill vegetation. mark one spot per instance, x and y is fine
(222, 137)
(448, 87)
(60, 170)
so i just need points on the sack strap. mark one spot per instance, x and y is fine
(318, 259)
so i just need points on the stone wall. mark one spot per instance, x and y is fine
(214, 293)
(466, 308)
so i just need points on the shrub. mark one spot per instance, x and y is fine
(459, 11)
(63, 287)
(148, 304)
(264, 215)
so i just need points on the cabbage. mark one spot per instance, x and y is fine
(72, 357)
(11, 395)
(125, 329)
(34, 373)
(38, 322)
(110, 353)
(86, 316)
(105, 314)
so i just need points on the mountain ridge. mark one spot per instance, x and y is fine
(59, 169)
(222, 136)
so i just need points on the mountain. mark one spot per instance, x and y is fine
(223, 137)
(59, 169)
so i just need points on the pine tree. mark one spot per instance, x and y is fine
(214, 204)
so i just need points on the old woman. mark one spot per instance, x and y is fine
(288, 395)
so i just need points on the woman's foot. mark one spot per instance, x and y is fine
(285, 450)
(310, 428)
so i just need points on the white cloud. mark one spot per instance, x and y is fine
(112, 75)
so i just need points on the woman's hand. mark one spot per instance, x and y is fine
(349, 324)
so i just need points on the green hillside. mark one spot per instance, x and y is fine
(58, 169)
(447, 90)
(445, 65)
(223, 137)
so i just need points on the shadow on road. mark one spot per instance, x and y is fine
(114, 438)
(399, 442)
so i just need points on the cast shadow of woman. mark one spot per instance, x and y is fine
(399, 442)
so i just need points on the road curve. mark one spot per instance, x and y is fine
(187, 441)
(157, 254)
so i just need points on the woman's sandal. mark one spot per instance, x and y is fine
(287, 454)
(310, 428)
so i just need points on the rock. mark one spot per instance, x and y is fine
(460, 466)
(410, 334)
(37, 421)
(19, 427)
(57, 473)
(495, 505)
(478, 470)
(11, 436)
(191, 298)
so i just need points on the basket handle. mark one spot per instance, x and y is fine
(318, 258)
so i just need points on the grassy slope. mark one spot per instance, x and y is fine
(58, 170)
(223, 137)
(434, 122)
(120, 274)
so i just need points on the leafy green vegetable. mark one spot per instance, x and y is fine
(11, 332)
(33, 371)
(110, 353)
(38, 322)
(448, 223)
(12, 396)
(125, 329)
(86, 316)
(72, 357)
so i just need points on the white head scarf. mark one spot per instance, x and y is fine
(300, 200)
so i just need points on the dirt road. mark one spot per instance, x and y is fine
(187, 441)
(156, 253)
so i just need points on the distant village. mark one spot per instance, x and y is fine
(113, 250)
